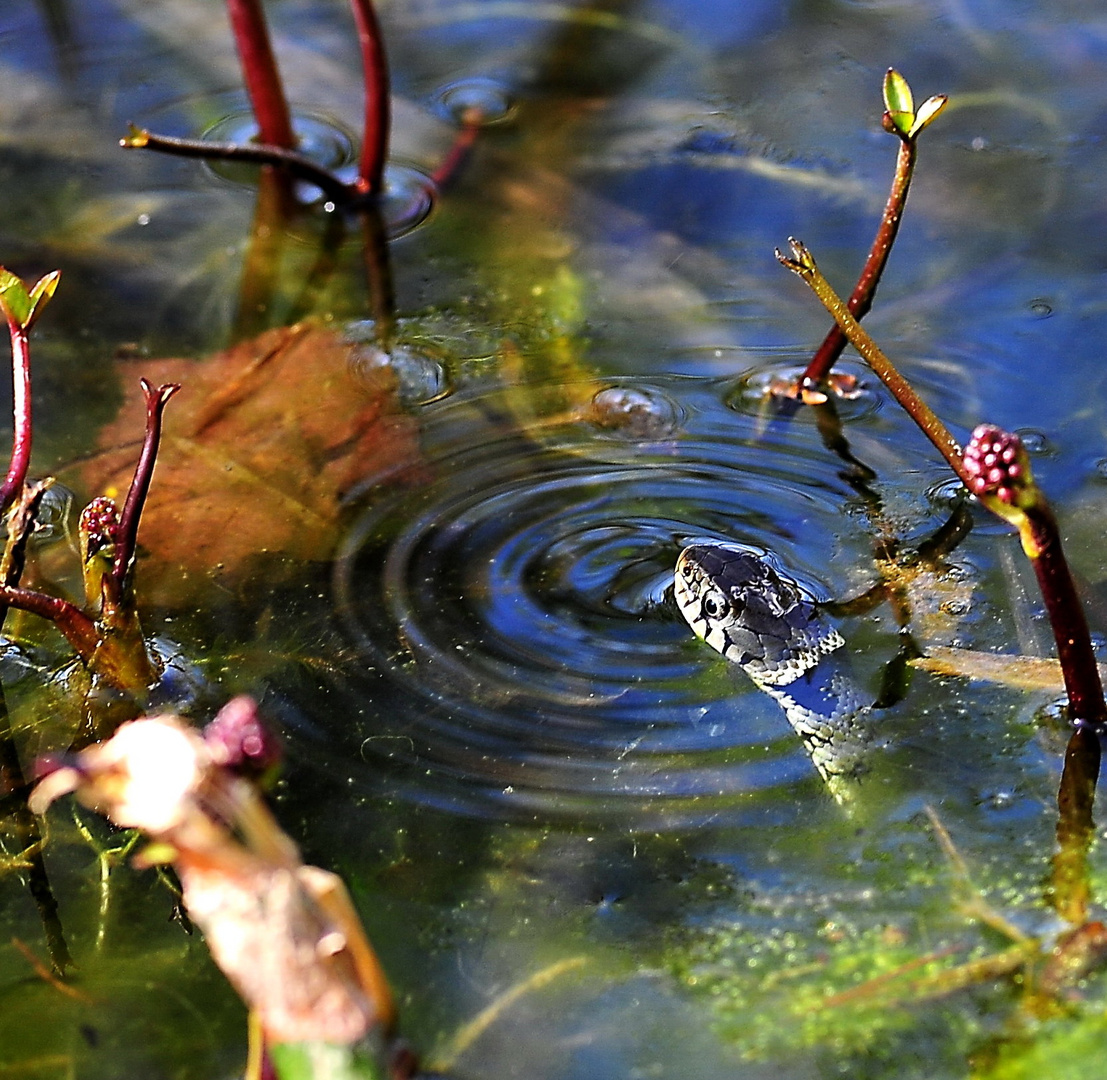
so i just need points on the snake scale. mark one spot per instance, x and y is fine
(743, 606)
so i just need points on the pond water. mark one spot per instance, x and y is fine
(582, 843)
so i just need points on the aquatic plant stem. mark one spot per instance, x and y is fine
(298, 165)
(997, 470)
(378, 276)
(156, 400)
(79, 629)
(861, 299)
(472, 121)
(21, 416)
(259, 72)
(1014, 497)
(1070, 627)
(21, 307)
(802, 263)
(378, 102)
(20, 523)
(111, 656)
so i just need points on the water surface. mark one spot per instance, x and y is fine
(499, 729)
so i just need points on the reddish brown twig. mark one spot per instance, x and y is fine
(802, 263)
(298, 165)
(259, 72)
(156, 400)
(901, 120)
(273, 117)
(378, 103)
(996, 469)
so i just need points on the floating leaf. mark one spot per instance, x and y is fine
(261, 445)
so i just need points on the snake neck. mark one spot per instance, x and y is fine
(828, 711)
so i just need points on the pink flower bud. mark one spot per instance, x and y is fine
(996, 463)
(238, 740)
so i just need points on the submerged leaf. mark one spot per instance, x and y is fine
(263, 442)
(1019, 672)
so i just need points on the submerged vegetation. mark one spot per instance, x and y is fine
(497, 697)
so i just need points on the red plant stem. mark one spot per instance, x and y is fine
(12, 487)
(861, 299)
(140, 484)
(471, 123)
(803, 264)
(253, 153)
(1066, 616)
(79, 629)
(378, 103)
(259, 71)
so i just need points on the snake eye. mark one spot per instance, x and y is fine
(714, 605)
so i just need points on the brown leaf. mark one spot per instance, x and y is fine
(289, 960)
(285, 934)
(259, 448)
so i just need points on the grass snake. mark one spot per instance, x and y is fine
(747, 608)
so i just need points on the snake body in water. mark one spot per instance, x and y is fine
(746, 608)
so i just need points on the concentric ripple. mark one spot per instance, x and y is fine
(521, 647)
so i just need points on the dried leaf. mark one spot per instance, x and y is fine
(285, 934)
(259, 448)
(289, 961)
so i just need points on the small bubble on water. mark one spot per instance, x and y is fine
(634, 412)
(1040, 308)
(482, 101)
(1036, 442)
(143, 219)
(53, 513)
(420, 378)
(999, 799)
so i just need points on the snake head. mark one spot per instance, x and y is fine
(756, 616)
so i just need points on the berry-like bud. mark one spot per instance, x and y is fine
(99, 526)
(997, 465)
(238, 740)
